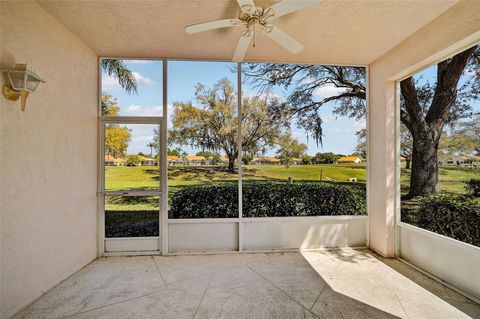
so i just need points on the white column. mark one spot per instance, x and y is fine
(240, 156)
(382, 163)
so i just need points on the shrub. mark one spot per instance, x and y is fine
(132, 160)
(302, 199)
(120, 223)
(473, 187)
(220, 201)
(269, 199)
(454, 216)
(247, 158)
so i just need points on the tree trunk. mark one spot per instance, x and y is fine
(231, 164)
(424, 173)
(426, 127)
(407, 164)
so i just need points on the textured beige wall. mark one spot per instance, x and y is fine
(48, 158)
(453, 31)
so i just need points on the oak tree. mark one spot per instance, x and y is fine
(210, 123)
(425, 109)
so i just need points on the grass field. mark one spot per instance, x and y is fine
(144, 177)
(452, 179)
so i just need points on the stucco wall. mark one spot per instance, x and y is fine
(453, 31)
(48, 158)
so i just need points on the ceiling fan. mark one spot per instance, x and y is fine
(250, 17)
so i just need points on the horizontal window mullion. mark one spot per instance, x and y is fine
(133, 193)
(131, 119)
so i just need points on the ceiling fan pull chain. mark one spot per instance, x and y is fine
(254, 33)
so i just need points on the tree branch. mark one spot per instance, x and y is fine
(448, 75)
(412, 105)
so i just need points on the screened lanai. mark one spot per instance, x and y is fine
(296, 158)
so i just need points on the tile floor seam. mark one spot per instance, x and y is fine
(159, 272)
(203, 296)
(386, 277)
(189, 278)
(392, 287)
(335, 270)
(326, 284)
(112, 304)
(313, 314)
(401, 304)
(318, 297)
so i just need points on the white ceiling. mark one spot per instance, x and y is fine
(350, 32)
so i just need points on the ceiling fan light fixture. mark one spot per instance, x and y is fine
(250, 15)
(267, 28)
(247, 8)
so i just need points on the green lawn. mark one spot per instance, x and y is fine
(146, 178)
(131, 178)
(452, 179)
(329, 172)
(143, 177)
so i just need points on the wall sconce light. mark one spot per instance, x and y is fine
(23, 81)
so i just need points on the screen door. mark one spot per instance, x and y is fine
(130, 196)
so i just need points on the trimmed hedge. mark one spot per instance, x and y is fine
(269, 199)
(454, 216)
(137, 223)
(302, 199)
(219, 201)
(473, 187)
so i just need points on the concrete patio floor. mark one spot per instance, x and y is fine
(323, 284)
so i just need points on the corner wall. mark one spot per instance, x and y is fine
(451, 32)
(48, 158)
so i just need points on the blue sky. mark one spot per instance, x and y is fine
(182, 78)
(339, 132)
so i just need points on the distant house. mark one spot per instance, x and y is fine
(466, 160)
(453, 160)
(292, 161)
(147, 161)
(195, 160)
(265, 161)
(113, 161)
(296, 161)
(350, 159)
(109, 160)
(458, 160)
(475, 160)
(174, 160)
(224, 160)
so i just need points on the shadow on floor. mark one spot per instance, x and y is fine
(448, 295)
(410, 277)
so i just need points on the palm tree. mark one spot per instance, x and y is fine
(151, 145)
(118, 69)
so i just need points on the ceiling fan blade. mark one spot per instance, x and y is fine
(242, 47)
(246, 5)
(288, 6)
(283, 38)
(210, 25)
